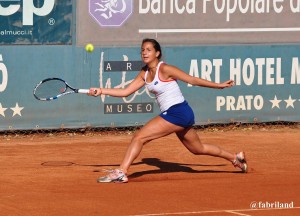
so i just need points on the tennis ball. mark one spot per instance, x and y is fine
(89, 47)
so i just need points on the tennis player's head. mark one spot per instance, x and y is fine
(156, 46)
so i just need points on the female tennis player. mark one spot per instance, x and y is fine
(176, 114)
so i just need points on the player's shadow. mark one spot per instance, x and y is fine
(171, 167)
(163, 167)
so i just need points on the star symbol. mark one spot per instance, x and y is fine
(275, 102)
(290, 102)
(2, 110)
(17, 110)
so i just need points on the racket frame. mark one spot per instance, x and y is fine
(73, 90)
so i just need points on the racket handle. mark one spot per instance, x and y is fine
(83, 91)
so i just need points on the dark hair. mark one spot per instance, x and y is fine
(156, 45)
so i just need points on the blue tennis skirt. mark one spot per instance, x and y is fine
(179, 114)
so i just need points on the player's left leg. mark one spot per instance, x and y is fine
(192, 142)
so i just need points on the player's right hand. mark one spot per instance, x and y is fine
(94, 92)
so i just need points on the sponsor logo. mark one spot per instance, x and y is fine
(128, 108)
(110, 13)
(8, 8)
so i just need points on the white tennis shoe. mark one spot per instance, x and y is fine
(240, 162)
(116, 176)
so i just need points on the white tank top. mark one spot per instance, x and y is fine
(167, 92)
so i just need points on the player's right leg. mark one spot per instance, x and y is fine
(155, 128)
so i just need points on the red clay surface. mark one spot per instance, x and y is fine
(56, 175)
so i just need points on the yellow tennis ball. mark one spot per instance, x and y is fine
(89, 47)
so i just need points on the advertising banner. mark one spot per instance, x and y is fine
(267, 85)
(188, 22)
(196, 36)
(37, 22)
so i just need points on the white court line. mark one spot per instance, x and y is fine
(218, 211)
(236, 213)
(219, 30)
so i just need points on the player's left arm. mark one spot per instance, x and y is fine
(172, 72)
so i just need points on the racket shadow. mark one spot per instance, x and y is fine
(69, 163)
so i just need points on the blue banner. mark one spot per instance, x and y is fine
(36, 22)
(267, 86)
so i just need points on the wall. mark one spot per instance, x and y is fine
(267, 74)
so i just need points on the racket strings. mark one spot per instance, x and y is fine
(50, 88)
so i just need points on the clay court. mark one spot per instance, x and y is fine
(54, 174)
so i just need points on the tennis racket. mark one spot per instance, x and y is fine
(53, 88)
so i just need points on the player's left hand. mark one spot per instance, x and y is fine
(226, 84)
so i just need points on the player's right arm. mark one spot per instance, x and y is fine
(135, 85)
